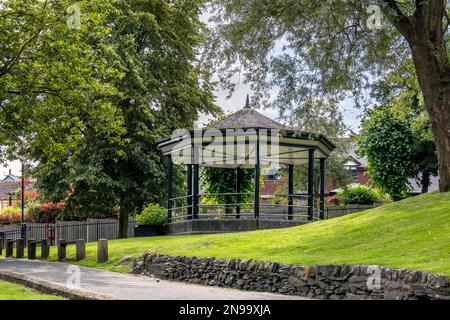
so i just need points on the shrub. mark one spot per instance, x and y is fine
(46, 213)
(12, 215)
(358, 195)
(34, 212)
(152, 215)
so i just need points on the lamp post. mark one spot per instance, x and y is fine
(10, 194)
(23, 191)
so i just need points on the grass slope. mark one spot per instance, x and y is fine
(12, 291)
(414, 233)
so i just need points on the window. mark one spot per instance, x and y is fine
(273, 177)
(353, 171)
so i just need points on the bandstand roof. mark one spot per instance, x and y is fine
(237, 147)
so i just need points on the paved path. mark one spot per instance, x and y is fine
(105, 284)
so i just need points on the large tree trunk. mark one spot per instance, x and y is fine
(425, 181)
(124, 213)
(441, 131)
(435, 84)
(424, 33)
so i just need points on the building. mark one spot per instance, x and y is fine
(272, 181)
(10, 184)
(357, 166)
(354, 164)
(8, 188)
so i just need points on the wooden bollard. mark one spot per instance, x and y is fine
(31, 249)
(80, 249)
(20, 247)
(62, 244)
(45, 249)
(102, 250)
(9, 248)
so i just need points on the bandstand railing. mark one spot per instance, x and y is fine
(272, 206)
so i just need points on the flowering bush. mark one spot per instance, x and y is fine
(31, 196)
(46, 213)
(12, 215)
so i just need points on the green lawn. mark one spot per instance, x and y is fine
(414, 233)
(12, 291)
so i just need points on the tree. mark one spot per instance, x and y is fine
(388, 143)
(220, 183)
(154, 43)
(323, 116)
(55, 82)
(332, 48)
(425, 158)
(401, 91)
(398, 146)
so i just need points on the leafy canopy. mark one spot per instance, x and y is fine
(153, 43)
(55, 82)
(388, 143)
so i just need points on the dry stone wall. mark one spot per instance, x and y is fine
(319, 282)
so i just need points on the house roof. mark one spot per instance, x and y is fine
(7, 187)
(11, 177)
(352, 153)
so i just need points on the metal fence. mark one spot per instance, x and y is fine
(90, 230)
(339, 211)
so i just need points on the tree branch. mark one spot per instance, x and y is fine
(399, 19)
(7, 67)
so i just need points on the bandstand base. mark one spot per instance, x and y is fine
(225, 226)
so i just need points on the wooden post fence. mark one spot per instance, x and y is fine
(31, 249)
(102, 250)
(62, 244)
(45, 249)
(20, 248)
(80, 249)
(9, 248)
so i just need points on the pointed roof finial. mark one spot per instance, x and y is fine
(247, 103)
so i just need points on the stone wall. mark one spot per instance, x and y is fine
(319, 282)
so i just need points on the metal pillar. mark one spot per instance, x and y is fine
(322, 189)
(169, 187)
(311, 185)
(238, 192)
(23, 193)
(196, 177)
(195, 197)
(256, 206)
(290, 191)
(189, 191)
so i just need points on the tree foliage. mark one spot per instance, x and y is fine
(308, 49)
(55, 82)
(153, 44)
(219, 185)
(323, 116)
(401, 92)
(388, 143)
